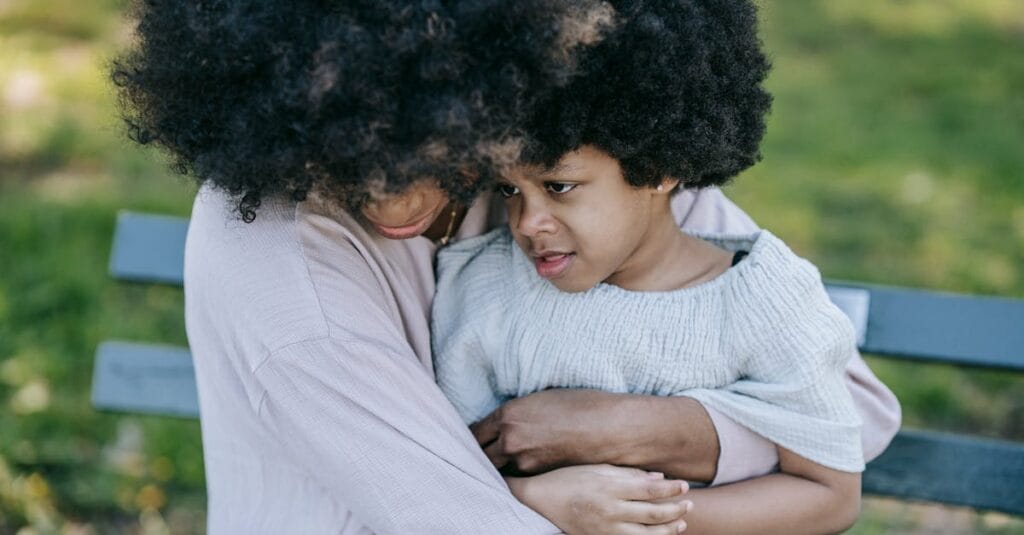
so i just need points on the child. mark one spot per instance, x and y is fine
(592, 285)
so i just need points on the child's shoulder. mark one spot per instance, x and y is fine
(772, 280)
(494, 241)
(778, 294)
(777, 267)
(477, 253)
(482, 266)
(769, 261)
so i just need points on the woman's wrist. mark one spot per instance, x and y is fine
(674, 435)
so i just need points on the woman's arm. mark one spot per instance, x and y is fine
(367, 423)
(804, 497)
(674, 435)
(565, 427)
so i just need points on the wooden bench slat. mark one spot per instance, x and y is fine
(941, 327)
(897, 322)
(856, 304)
(922, 465)
(149, 248)
(952, 469)
(154, 379)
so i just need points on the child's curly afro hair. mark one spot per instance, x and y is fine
(264, 97)
(673, 90)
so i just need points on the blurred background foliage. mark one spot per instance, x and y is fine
(894, 155)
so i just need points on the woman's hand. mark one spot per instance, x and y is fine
(605, 499)
(551, 429)
(566, 427)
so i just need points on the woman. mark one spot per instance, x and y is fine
(338, 146)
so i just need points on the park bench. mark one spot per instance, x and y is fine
(961, 330)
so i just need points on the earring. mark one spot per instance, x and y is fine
(661, 187)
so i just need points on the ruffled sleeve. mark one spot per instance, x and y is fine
(793, 345)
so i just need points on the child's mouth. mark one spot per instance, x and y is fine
(552, 265)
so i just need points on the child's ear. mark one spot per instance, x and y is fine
(667, 185)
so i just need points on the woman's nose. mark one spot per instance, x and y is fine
(405, 207)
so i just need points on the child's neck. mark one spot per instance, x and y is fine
(668, 259)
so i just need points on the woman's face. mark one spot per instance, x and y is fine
(407, 214)
(580, 222)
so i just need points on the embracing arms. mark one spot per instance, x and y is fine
(369, 425)
(674, 435)
(564, 427)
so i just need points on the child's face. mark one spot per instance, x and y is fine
(580, 222)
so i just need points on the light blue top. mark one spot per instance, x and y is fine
(761, 343)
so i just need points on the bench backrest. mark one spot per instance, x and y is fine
(898, 323)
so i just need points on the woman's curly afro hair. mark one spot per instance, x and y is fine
(260, 97)
(673, 90)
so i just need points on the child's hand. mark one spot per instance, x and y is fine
(605, 499)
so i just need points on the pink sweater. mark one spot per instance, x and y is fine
(318, 405)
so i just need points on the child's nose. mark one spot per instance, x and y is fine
(535, 218)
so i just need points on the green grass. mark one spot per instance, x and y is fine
(894, 155)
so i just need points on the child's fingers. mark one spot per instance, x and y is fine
(671, 528)
(650, 490)
(653, 514)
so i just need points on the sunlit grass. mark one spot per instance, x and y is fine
(935, 18)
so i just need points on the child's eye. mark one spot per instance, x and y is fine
(506, 190)
(560, 187)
